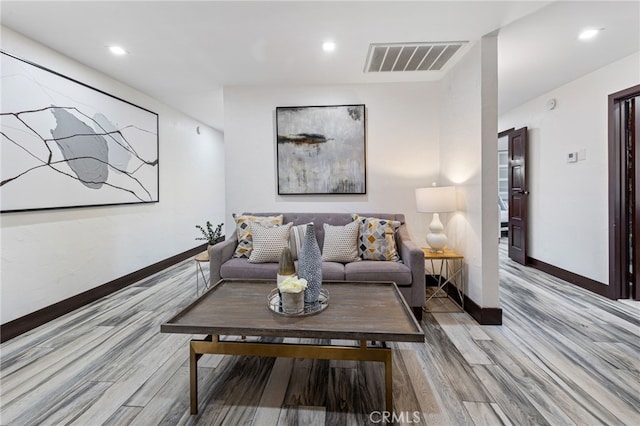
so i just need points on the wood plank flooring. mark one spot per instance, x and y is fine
(563, 356)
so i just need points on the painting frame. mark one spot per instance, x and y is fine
(66, 144)
(321, 150)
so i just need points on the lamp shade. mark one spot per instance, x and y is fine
(436, 199)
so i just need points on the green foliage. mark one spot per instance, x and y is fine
(210, 235)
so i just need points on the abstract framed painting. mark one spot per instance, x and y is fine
(66, 144)
(321, 149)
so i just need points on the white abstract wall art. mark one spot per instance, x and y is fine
(66, 144)
(321, 149)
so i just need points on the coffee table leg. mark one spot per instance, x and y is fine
(193, 370)
(388, 381)
(212, 345)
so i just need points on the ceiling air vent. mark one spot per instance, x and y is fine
(410, 56)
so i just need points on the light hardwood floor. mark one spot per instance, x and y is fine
(563, 356)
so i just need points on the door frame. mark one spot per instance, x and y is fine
(618, 255)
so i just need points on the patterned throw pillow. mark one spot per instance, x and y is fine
(245, 242)
(268, 243)
(296, 237)
(377, 238)
(341, 243)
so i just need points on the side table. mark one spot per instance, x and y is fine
(453, 264)
(200, 259)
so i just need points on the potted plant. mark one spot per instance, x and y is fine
(212, 236)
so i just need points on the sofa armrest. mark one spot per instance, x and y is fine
(413, 257)
(218, 254)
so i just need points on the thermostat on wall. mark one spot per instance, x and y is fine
(572, 157)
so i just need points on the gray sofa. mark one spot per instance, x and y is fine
(407, 274)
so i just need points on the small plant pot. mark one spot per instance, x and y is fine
(292, 303)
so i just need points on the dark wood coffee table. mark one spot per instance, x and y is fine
(373, 311)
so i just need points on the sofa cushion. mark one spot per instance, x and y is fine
(369, 270)
(268, 243)
(239, 267)
(377, 238)
(340, 243)
(332, 271)
(243, 231)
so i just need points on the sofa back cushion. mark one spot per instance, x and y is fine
(319, 219)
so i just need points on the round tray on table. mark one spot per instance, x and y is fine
(275, 305)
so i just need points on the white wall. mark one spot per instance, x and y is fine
(568, 205)
(468, 156)
(402, 148)
(52, 255)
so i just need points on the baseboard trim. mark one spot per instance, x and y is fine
(483, 316)
(579, 280)
(35, 319)
(493, 316)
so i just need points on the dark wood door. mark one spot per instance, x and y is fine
(624, 194)
(634, 131)
(518, 195)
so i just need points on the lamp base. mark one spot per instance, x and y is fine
(436, 239)
(437, 242)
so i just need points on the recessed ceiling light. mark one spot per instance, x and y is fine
(117, 50)
(589, 33)
(328, 46)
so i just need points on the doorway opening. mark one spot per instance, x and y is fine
(624, 194)
(503, 182)
(517, 190)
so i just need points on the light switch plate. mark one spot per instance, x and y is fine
(582, 155)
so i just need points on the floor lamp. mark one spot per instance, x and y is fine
(436, 199)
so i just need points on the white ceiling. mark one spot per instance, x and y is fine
(184, 53)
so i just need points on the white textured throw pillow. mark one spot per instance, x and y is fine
(341, 243)
(268, 243)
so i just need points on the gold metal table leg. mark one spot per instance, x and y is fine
(193, 372)
(205, 280)
(288, 350)
(454, 277)
(388, 381)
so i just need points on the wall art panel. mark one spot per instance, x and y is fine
(321, 149)
(66, 144)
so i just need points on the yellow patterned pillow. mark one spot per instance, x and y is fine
(376, 239)
(243, 230)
